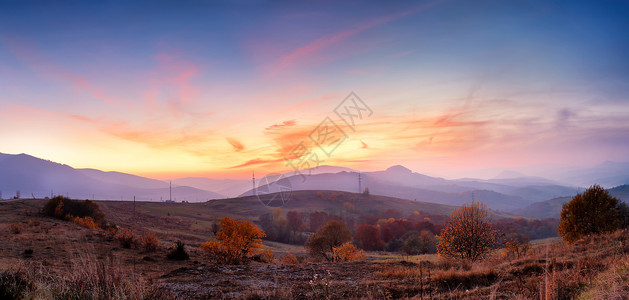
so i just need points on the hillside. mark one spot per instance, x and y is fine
(70, 255)
(552, 208)
(250, 207)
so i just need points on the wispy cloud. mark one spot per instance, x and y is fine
(305, 54)
(236, 144)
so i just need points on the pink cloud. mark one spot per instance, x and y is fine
(33, 59)
(307, 52)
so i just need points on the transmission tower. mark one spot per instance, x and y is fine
(253, 182)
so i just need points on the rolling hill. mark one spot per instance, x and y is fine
(552, 208)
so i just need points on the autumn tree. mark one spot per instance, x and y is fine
(468, 234)
(419, 243)
(594, 211)
(368, 237)
(332, 234)
(237, 240)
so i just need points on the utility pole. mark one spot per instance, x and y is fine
(134, 207)
(360, 190)
(253, 182)
(171, 190)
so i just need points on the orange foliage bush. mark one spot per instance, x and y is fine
(86, 222)
(289, 259)
(126, 237)
(149, 242)
(236, 240)
(347, 252)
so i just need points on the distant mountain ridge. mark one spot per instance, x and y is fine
(506, 192)
(552, 208)
(35, 177)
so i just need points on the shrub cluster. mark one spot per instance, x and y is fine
(149, 242)
(347, 252)
(64, 208)
(235, 242)
(178, 252)
(289, 259)
(126, 237)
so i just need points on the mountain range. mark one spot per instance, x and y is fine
(508, 192)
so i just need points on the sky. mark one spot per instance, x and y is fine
(170, 89)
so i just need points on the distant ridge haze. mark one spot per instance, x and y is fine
(36, 176)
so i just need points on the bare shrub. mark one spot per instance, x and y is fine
(149, 242)
(468, 234)
(289, 259)
(332, 234)
(178, 252)
(267, 256)
(33, 222)
(126, 237)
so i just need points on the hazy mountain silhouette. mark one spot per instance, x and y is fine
(40, 178)
(227, 187)
(607, 174)
(552, 208)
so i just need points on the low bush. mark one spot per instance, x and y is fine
(235, 242)
(126, 238)
(178, 252)
(15, 228)
(59, 207)
(347, 252)
(267, 256)
(33, 222)
(149, 242)
(289, 259)
(86, 222)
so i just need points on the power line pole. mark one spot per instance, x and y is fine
(360, 187)
(171, 190)
(253, 182)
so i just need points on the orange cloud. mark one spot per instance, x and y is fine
(257, 161)
(236, 144)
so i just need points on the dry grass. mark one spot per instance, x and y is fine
(149, 242)
(15, 228)
(69, 261)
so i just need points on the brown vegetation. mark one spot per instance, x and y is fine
(594, 211)
(149, 242)
(332, 234)
(468, 234)
(235, 242)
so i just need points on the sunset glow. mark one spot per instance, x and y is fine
(219, 90)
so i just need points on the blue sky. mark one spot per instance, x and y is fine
(455, 86)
